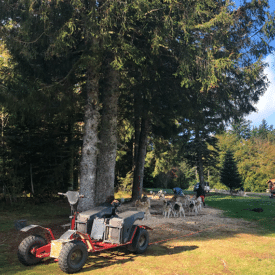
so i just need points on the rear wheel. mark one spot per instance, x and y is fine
(140, 242)
(73, 256)
(26, 249)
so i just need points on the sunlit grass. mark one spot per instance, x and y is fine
(242, 207)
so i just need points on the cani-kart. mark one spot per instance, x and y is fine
(94, 230)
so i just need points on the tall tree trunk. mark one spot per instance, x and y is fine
(199, 159)
(140, 160)
(108, 139)
(90, 139)
(136, 141)
(71, 157)
(200, 168)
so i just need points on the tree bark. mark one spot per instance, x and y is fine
(108, 139)
(71, 158)
(90, 142)
(200, 168)
(140, 160)
(199, 159)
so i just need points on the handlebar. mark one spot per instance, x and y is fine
(65, 194)
(72, 196)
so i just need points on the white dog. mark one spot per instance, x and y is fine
(167, 208)
(193, 207)
(143, 207)
(184, 200)
(199, 203)
(178, 210)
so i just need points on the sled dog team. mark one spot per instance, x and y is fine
(177, 206)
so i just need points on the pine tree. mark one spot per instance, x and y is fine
(229, 172)
(241, 128)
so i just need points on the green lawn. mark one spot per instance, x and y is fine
(240, 207)
(209, 252)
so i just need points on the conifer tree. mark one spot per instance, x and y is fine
(229, 173)
(241, 128)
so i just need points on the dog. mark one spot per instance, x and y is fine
(184, 200)
(178, 210)
(193, 207)
(161, 194)
(154, 194)
(199, 203)
(143, 207)
(146, 199)
(174, 198)
(167, 209)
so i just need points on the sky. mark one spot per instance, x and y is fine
(266, 105)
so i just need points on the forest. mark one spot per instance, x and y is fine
(99, 96)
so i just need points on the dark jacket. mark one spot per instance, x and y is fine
(200, 191)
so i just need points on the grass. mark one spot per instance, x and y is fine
(240, 207)
(43, 214)
(210, 252)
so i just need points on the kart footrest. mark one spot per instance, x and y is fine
(113, 232)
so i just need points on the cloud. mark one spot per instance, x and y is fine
(266, 105)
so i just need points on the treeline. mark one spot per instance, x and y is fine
(40, 144)
(254, 153)
(101, 94)
(253, 150)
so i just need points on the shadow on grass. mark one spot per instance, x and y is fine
(122, 256)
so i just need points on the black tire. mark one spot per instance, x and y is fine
(140, 242)
(73, 256)
(24, 250)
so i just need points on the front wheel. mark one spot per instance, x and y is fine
(25, 255)
(140, 242)
(73, 256)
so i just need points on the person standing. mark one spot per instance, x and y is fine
(200, 193)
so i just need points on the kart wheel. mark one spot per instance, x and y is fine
(73, 256)
(25, 248)
(140, 242)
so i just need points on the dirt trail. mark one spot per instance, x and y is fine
(208, 219)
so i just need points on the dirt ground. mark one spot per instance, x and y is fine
(208, 219)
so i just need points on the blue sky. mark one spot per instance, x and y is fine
(266, 105)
